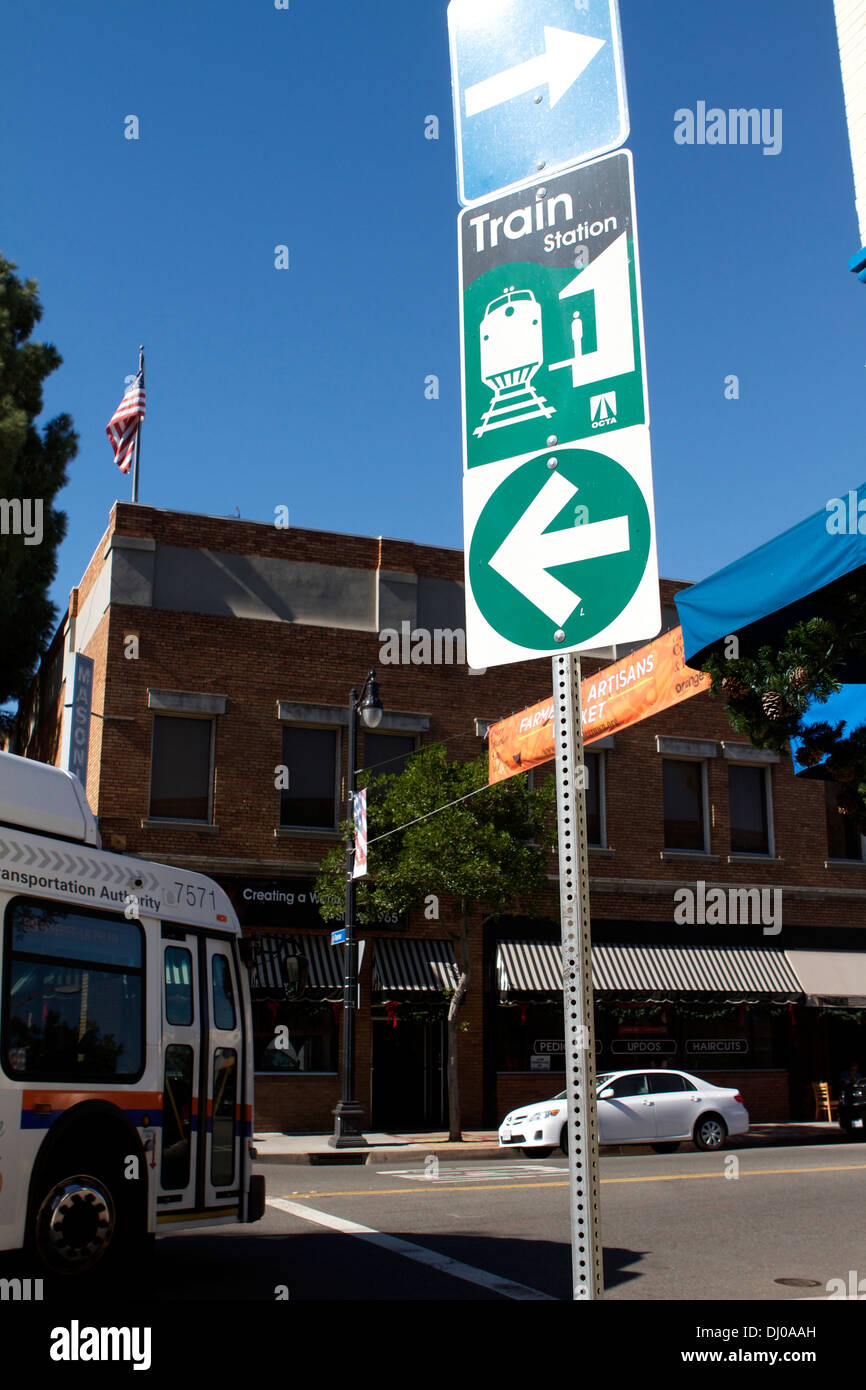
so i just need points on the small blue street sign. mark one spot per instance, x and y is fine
(338, 937)
(538, 87)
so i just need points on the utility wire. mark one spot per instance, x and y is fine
(418, 819)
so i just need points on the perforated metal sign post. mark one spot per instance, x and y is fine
(586, 1247)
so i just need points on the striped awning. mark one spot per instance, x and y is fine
(325, 966)
(400, 964)
(661, 974)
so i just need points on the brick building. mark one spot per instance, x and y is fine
(223, 650)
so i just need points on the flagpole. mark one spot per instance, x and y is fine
(138, 432)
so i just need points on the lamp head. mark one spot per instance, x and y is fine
(371, 703)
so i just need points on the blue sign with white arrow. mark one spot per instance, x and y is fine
(538, 87)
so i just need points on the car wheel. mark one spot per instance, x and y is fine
(541, 1152)
(710, 1132)
(664, 1148)
(563, 1140)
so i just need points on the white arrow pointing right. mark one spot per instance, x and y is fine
(565, 56)
(527, 553)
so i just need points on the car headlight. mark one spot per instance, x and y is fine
(543, 1115)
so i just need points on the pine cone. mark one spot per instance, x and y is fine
(774, 705)
(798, 678)
(734, 688)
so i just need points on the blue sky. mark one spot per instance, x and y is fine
(305, 387)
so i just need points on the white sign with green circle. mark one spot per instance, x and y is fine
(560, 550)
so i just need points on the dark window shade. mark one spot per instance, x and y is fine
(843, 840)
(309, 801)
(684, 805)
(750, 832)
(180, 779)
(386, 755)
(593, 798)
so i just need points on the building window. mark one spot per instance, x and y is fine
(386, 755)
(529, 1037)
(299, 1037)
(181, 769)
(595, 826)
(843, 840)
(750, 815)
(684, 808)
(310, 800)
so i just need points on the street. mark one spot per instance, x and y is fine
(674, 1228)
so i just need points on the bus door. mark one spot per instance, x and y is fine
(202, 1115)
(181, 1082)
(224, 1091)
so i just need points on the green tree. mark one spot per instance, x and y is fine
(32, 471)
(485, 853)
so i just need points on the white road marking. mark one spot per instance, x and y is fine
(443, 1263)
(449, 1174)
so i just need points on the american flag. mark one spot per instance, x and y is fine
(124, 424)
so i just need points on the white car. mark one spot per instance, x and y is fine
(661, 1108)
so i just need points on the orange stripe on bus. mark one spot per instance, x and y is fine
(62, 1100)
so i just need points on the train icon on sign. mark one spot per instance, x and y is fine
(512, 351)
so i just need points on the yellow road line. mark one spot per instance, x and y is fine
(413, 1191)
(510, 1186)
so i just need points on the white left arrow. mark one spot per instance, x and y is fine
(565, 56)
(527, 553)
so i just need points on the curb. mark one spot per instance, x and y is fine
(358, 1157)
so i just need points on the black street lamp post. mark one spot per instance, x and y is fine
(348, 1115)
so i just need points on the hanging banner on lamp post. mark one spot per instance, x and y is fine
(360, 819)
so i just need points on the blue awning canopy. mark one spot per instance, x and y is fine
(803, 573)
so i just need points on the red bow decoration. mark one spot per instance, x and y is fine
(522, 1015)
(792, 1015)
(336, 1012)
(391, 1007)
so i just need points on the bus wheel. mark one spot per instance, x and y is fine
(76, 1224)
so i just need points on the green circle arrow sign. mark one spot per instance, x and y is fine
(559, 549)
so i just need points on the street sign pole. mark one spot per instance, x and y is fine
(586, 1247)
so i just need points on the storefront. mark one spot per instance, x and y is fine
(401, 1047)
(736, 1015)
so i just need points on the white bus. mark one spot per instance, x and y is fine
(125, 1041)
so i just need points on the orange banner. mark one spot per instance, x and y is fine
(644, 683)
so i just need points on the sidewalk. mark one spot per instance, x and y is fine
(483, 1145)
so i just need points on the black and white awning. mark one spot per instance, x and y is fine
(271, 953)
(400, 964)
(660, 974)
